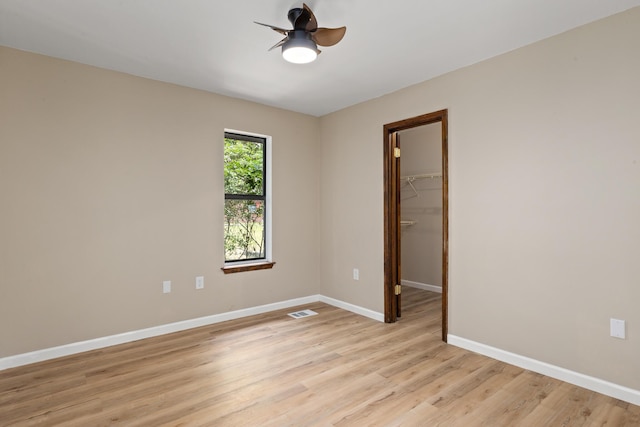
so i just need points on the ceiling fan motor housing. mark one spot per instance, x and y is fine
(294, 14)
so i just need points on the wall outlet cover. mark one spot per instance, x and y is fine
(617, 328)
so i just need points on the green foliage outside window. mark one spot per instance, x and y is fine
(244, 208)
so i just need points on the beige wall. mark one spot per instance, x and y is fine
(544, 155)
(421, 242)
(111, 184)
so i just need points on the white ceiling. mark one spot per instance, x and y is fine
(215, 46)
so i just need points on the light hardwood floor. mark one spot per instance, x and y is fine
(333, 369)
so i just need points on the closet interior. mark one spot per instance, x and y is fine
(421, 207)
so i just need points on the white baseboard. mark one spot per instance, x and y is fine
(97, 343)
(353, 308)
(423, 286)
(591, 383)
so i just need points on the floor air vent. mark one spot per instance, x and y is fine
(301, 314)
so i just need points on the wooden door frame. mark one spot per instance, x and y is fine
(392, 220)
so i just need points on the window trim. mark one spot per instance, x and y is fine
(267, 262)
(262, 265)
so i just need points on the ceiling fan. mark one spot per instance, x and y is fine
(300, 44)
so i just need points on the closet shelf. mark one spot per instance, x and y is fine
(411, 178)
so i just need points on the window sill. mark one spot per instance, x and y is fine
(248, 267)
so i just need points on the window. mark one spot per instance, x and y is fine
(247, 202)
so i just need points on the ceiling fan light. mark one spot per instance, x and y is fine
(299, 55)
(299, 49)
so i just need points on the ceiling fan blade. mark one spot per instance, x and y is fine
(280, 43)
(303, 19)
(328, 36)
(312, 23)
(280, 30)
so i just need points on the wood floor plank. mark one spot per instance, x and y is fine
(382, 409)
(332, 369)
(475, 388)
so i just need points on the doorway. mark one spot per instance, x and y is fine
(392, 214)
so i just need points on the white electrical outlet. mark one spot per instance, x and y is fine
(617, 328)
(200, 282)
(356, 274)
(166, 286)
